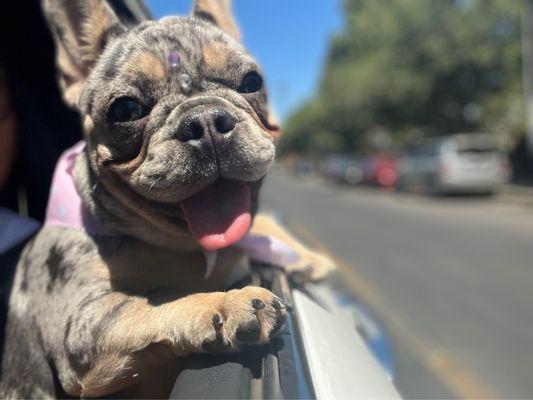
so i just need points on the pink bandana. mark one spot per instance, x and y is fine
(66, 209)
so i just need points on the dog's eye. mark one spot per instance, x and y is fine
(125, 110)
(251, 83)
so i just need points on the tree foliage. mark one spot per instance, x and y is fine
(415, 68)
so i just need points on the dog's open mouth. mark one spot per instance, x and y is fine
(219, 215)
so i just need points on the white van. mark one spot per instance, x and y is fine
(461, 163)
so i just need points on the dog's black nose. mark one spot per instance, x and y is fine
(224, 121)
(204, 121)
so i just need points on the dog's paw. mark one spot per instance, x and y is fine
(243, 317)
(311, 267)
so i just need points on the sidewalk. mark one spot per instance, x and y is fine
(516, 194)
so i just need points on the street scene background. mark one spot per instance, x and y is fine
(410, 163)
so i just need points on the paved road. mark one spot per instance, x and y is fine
(454, 275)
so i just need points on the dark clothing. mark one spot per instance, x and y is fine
(15, 232)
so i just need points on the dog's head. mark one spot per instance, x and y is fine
(174, 111)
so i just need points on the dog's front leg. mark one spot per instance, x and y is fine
(121, 338)
(311, 266)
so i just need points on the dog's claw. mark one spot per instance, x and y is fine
(311, 267)
(278, 304)
(217, 321)
(258, 304)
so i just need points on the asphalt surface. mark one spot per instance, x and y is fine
(453, 279)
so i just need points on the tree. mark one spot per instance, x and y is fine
(424, 67)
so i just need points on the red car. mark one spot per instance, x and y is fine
(379, 170)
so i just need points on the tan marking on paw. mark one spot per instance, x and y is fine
(241, 317)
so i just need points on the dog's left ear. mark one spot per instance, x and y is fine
(81, 29)
(219, 13)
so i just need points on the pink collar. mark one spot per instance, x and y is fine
(66, 209)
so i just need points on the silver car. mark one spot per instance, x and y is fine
(461, 163)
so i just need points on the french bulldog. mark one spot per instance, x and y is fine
(178, 140)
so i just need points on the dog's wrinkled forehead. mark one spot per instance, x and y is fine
(175, 54)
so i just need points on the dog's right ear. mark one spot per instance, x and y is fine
(81, 29)
(217, 12)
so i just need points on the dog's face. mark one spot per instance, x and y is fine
(175, 113)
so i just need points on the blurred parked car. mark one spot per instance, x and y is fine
(461, 163)
(298, 165)
(341, 169)
(379, 170)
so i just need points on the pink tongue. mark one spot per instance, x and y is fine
(219, 215)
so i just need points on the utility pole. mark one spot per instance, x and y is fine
(527, 68)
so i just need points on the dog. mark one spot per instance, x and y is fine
(178, 139)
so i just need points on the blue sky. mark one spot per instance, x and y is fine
(288, 37)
